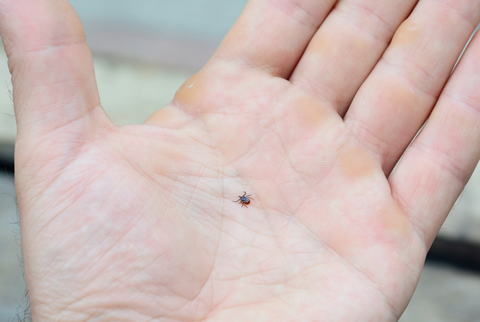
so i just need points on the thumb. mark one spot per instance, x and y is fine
(52, 68)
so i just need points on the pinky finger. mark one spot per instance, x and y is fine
(438, 164)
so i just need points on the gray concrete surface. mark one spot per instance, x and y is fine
(12, 284)
(445, 294)
(179, 33)
(204, 20)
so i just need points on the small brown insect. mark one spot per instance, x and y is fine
(244, 200)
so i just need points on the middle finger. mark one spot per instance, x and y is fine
(346, 48)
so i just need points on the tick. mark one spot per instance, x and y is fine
(244, 200)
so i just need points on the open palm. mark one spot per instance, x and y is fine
(305, 106)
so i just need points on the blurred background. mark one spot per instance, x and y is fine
(143, 51)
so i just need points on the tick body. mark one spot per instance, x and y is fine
(244, 200)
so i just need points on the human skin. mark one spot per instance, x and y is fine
(306, 106)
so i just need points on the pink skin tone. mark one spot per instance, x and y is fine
(306, 105)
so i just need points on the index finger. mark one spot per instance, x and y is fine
(271, 35)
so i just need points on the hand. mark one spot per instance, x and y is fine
(306, 106)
